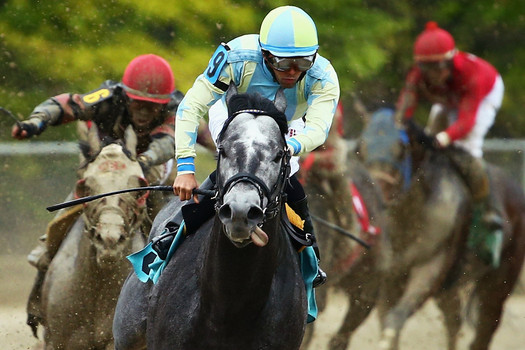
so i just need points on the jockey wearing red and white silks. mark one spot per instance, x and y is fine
(467, 88)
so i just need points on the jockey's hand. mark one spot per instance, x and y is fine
(27, 128)
(184, 185)
(442, 140)
(145, 163)
(290, 149)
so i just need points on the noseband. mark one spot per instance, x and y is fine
(273, 195)
(131, 213)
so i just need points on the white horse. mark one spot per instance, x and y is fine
(84, 279)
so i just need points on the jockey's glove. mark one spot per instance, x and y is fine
(33, 126)
(145, 163)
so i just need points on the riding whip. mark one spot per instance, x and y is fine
(97, 196)
(10, 114)
(341, 230)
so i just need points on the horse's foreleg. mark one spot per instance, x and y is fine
(450, 305)
(420, 285)
(491, 294)
(355, 315)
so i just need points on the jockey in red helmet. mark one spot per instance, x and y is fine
(146, 99)
(466, 93)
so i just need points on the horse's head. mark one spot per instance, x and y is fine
(383, 147)
(112, 220)
(252, 167)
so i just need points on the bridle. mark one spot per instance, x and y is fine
(131, 213)
(273, 195)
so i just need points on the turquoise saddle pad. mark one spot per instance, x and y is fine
(149, 266)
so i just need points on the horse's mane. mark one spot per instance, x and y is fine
(247, 101)
(85, 149)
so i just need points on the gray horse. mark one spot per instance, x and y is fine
(342, 193)
(429, 215)
(234, 283)
(84, 279)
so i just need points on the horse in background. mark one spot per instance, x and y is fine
(234, 283)
(83, 281)
(339, 187)
(429, 216)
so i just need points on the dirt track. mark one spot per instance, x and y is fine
(423, 332)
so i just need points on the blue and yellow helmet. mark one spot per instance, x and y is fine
(288, 31)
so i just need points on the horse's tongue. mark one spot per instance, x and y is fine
(259, 237)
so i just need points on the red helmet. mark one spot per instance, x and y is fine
(434, 44)
(149, 78)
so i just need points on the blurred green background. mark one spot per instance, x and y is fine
(50, 47)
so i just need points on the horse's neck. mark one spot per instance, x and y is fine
(241, 274)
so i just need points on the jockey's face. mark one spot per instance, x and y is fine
(288, 78)
(436, 73)
(143, 113)
(288, 70)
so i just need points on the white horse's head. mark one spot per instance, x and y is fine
(111, 221)
(252, 167)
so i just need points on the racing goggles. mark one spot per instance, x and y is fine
(283, 64)
(434, 66)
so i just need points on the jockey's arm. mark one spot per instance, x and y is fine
(191, 110)
(56, 110)
(322, 102)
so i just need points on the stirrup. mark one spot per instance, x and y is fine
(161, 244)
(320, 279)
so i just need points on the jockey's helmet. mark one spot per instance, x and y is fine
(434, 44)
(288, 31)
(149, 78)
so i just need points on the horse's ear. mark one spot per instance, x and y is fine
(280, 100)
(94, 140)
(360, 108)
(232, 90)
(131, 141)
(81, 190)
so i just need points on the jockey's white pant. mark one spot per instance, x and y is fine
(218, 114)
(487, 110)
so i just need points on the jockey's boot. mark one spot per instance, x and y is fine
(301, 208)
(39, 258)
(487, 239)
(162, 244)
(34, 306)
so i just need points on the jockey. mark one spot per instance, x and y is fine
(466, 92)
(283, 56)
(146, 99)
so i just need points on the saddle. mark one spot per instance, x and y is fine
(59, 226)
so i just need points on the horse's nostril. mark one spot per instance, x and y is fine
(255, 214)
(225, 212)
